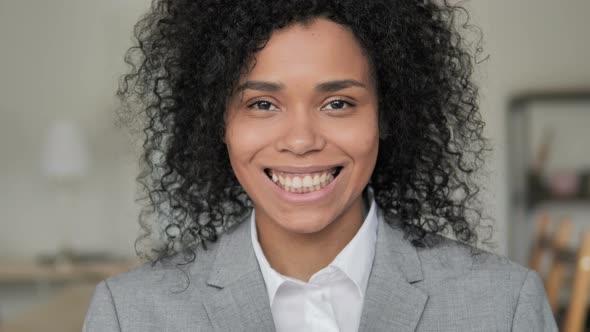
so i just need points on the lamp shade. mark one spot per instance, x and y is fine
(65, 153)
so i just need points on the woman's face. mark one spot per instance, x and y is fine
(301, 131)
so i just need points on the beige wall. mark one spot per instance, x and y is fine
(533, 45)
(60, 60)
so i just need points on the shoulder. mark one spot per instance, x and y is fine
(446, 254)
(444, 258)
(150, 295)
(455, 269)
(176, 274)
(167, 294)
(173, 279)
(450, 259)
(183, 270)
(486, 285)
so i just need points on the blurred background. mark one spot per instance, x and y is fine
(68, 216)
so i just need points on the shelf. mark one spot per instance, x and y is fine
(23, 272)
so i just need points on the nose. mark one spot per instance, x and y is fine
(301, 135)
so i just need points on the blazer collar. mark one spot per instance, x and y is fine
(242, 301)
(393, 298)
(241, 304)
(354, 261)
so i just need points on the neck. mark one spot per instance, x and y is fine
(300, 255)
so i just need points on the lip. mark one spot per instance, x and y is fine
(303, 169)
(297, 198)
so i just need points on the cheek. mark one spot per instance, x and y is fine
(359, 139)
(244, 139)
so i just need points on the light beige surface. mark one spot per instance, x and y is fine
(64, 312)
(10, 272)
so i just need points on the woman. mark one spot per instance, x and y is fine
(328, 144)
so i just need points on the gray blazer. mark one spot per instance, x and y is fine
(444, 288)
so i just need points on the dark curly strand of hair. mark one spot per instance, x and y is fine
(190, 56)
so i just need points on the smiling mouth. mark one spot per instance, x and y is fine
(302, 183)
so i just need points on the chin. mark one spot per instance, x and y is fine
(303, 224)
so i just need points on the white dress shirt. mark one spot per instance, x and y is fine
(332, 300)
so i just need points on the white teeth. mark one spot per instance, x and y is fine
(305, 184)
(307, 181)
(316, 180)
(296, 182)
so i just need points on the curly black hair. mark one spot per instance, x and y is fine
(189, 57)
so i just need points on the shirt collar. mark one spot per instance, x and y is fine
(355, 259)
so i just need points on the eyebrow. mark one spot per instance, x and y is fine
(330, 86)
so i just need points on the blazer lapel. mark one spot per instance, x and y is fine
(241, 302)
(392, 302)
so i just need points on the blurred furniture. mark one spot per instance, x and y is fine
(576, 315)
(564, 259)
(72, 284)
(67, 272)
(540, 243)
(559, 263)
(548, 161)
(64, 312)
(568, 270)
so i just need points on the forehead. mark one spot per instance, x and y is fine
(318, 49)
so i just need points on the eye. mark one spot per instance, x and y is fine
(338, 104)
(262, 105)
